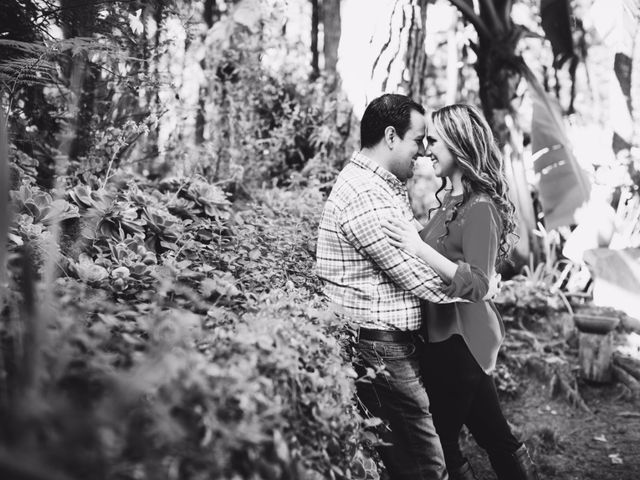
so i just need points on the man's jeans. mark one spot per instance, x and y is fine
(397, 395)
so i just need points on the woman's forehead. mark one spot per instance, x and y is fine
(429, 124)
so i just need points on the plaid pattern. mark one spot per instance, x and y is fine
(376, 284)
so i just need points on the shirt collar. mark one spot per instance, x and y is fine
(365, 162)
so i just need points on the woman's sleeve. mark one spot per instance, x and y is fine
(480, 237)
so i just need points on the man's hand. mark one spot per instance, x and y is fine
(495, 283)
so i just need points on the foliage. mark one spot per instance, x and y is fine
(107, 92)
(292, 128)
(506, 381)
(269, 118)
(80, 85)
(188, 339)
(537, 292)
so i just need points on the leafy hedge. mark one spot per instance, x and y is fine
(183, 337)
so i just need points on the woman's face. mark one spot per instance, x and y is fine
(444, 163)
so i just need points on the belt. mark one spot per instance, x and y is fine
(403, 336)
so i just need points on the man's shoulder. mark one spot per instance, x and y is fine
(354, 181)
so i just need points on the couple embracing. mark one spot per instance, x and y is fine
(418, 297)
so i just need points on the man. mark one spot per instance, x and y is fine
(378, 287)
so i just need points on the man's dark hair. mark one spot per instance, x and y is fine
(388, 110)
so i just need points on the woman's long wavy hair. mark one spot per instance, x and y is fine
(470, 140)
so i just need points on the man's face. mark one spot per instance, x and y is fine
(406, 150)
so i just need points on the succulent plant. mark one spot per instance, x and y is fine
(41, 205)
(88, 271)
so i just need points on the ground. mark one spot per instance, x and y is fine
(568, 443)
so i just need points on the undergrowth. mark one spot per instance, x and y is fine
(182, 336)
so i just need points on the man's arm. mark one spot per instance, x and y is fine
(361, 224)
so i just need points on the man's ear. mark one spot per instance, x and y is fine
(390, 136)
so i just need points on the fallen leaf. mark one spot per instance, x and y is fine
(372, 422)
(615, 458)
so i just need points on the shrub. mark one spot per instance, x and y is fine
(187, 340)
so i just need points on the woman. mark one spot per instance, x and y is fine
(465, 238)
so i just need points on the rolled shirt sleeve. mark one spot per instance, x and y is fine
(480, 239)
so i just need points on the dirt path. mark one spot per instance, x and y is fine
(569, 444)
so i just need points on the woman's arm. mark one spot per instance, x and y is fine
(403, 235)
(480, 239)
(475, 279)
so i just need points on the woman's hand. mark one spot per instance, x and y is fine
(402, 235)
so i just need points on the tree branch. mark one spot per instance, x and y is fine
(472, 17)
(393, 57)
(388, 42)
(506, 13)
(493, 15)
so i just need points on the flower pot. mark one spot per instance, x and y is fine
(601, 324)
(595, 337)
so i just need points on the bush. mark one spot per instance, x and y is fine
(185, 338)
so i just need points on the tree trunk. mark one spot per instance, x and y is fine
(79, 20)
(595, 353)
(151, 150)
(499, 77)
(207, 15)
(453, 68)
(332, 31)
(416, 56)
(626, 370)
(5, 219)
(630, 364)
(315, 24)
(635, 89)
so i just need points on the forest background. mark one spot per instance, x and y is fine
(167, 163)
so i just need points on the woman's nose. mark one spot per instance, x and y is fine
(429, 153)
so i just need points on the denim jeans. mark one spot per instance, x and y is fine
(462, 393)
(397, 396)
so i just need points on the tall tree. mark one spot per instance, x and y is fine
(79, 19)
(416, 56)
(332, 29)
(209, 15)
(315, 27)
(500, 68)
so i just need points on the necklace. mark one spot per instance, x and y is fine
(452, 200)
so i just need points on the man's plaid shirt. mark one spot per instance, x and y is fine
(376, 284)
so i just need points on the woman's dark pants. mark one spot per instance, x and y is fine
(461, 393)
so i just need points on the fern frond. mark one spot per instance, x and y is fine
(26, 80)
(36, 62)
(27, 71)
(16, 65)
(29, 48)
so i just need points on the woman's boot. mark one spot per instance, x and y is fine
(462, 473)
(526, 465)
(515, 466)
